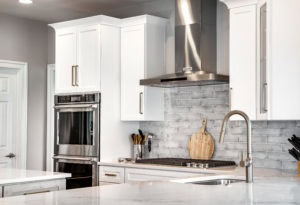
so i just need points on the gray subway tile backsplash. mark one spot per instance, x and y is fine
(186, 107)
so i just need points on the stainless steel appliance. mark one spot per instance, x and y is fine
(195, 47)
(77, 138)
(77, 125)
(84, 170)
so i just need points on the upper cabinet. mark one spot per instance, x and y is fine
(78, 54)
(142, 56)
(264, 58)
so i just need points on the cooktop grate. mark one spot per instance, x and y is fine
(185, 162)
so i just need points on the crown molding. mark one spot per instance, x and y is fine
(238, 3)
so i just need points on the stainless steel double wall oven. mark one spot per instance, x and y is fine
(77, 138)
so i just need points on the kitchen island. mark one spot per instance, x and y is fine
(15, 182)
(265, 190)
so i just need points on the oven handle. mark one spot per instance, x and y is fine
(90, 159)
(94, 106)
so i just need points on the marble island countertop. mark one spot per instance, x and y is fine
(276, 189)
(167, 193)
(11, 176)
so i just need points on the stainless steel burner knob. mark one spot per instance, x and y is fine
(194, 164)
(200, 165)
(206, 166)
(188, 164)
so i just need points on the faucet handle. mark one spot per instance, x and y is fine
(242, 162)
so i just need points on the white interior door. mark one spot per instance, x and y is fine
(8, 108)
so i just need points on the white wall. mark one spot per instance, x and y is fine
(26, 40)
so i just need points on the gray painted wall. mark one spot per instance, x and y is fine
(186, 107)
(26, 40)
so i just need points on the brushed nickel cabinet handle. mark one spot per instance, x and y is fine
(110, 175)
(76, 75)
(73, 75)
(37, 192)
(230, 99)
(141, 109)
(265, 97)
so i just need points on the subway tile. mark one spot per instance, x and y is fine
(186, 107)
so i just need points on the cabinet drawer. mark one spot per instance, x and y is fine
(133, 175)
(1, 191)
(111, 174)
(34, 187)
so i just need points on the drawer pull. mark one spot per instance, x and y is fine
(37, 192)
(110, 175)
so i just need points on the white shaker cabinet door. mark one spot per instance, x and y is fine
(132, 70)
(284, 52)
(243, 60)
(65, 60)
(88, 58)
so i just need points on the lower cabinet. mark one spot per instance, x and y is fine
(1, 191)
(33, 187)
(118, 175)
(111, 175)
(135, 175)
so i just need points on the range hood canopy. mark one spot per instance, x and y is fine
(195, 47)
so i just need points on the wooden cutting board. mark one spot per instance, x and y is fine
(201, 144)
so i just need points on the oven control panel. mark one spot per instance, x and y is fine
(79, 98)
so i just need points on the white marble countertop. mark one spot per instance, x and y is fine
(262, 191)
(278, 188)
(12, 176)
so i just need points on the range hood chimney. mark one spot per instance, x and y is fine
(195, 47)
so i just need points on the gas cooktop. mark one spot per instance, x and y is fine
(196, 163)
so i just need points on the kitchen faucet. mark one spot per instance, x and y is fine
(248, 164)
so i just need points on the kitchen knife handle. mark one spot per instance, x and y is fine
(141, 107)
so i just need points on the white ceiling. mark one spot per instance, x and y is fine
(50, 11)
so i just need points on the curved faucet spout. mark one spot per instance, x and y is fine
(248, 164)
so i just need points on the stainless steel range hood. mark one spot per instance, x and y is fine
(195, 47)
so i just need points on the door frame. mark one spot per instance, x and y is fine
(21, 69)
(50, 117)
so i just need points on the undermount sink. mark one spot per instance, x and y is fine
(217, 182)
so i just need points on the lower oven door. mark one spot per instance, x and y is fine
(84, 172)
(77, 130)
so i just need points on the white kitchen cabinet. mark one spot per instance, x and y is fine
(142, 56)
(124, 174)
(265, 58)
(283, 59)
(33, 187)
(65, 60)
(78, 59)
(137, 175)
(78, 53)
(88, 58)
(111, 175)
(243, 59)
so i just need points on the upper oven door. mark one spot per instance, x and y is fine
(77, 130)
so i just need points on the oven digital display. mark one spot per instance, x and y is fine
(75, 98)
